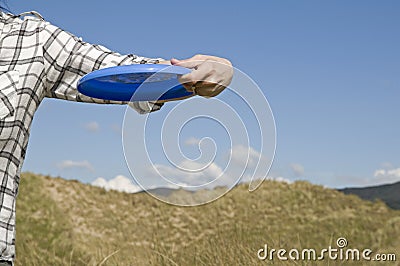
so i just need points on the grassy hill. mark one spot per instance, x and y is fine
(63, 222)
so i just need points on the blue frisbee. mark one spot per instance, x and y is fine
(140, 82)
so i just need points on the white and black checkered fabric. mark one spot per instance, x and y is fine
(39, 60)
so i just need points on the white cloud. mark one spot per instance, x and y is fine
(243, 166)
(297, 169)
(380, 172)
(68, 164)
(92, 126)
(394, 172)
(246, 156)
(189, 173)
(383, 176)
(119, 183)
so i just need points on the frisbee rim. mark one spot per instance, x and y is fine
(120, 91)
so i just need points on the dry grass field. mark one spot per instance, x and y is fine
(63, 222)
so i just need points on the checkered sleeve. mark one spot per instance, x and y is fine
(68, 58)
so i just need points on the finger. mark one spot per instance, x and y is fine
(204, 91)
(208, 89)
(200, 74)
(175, 61)
(188, 63)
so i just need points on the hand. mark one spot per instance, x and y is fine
(209, 77)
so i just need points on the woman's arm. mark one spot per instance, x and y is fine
(68, 58)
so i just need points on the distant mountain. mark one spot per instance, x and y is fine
(390, 194)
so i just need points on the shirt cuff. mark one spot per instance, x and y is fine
(145, 107)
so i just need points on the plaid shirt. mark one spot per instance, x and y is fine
(39, 60)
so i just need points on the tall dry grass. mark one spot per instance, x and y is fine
(63, 222)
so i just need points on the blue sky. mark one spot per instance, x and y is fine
(330, 71)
